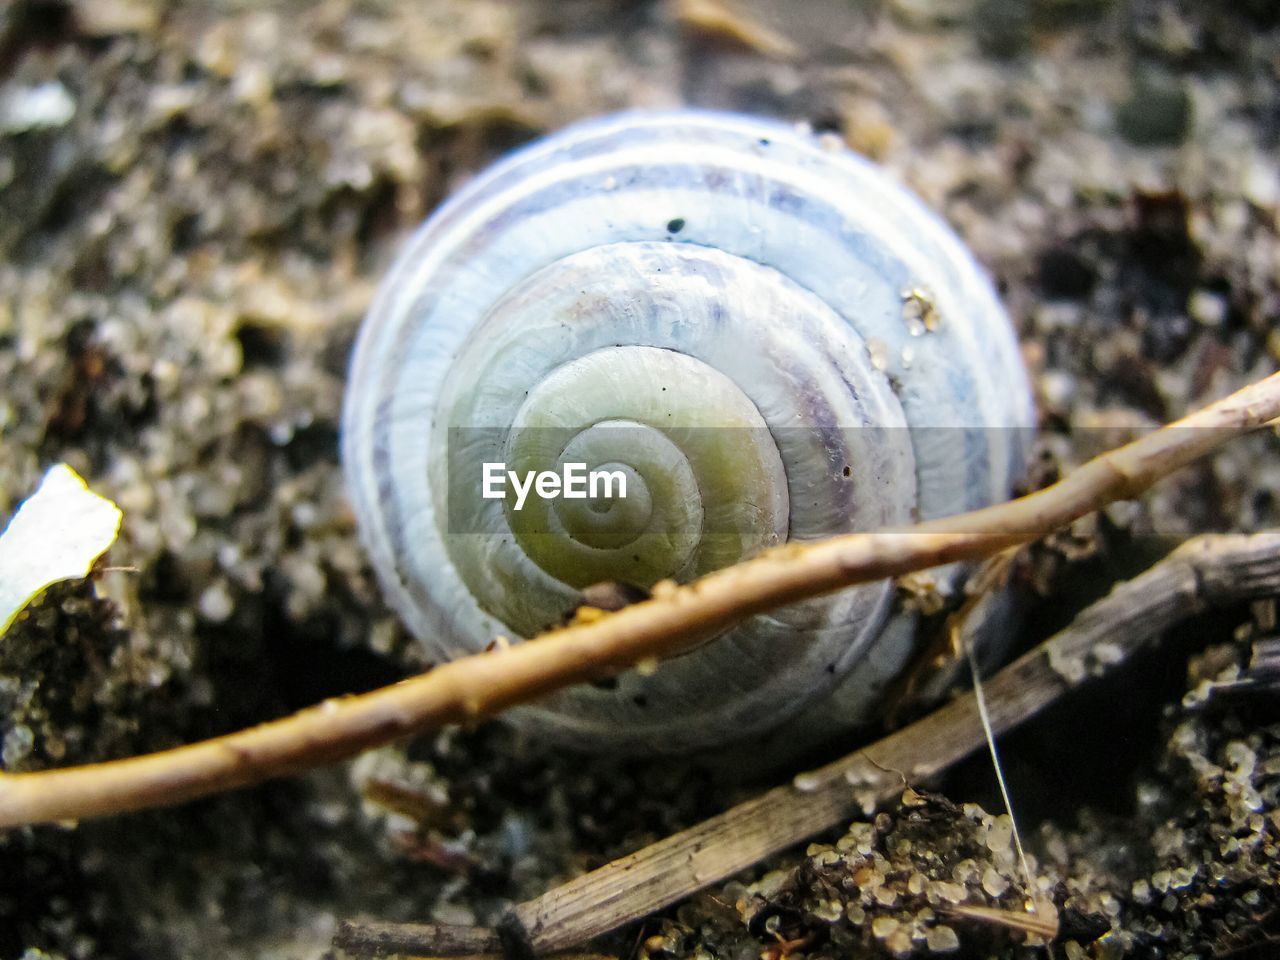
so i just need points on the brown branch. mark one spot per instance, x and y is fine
(675, 620)
(1206, 572)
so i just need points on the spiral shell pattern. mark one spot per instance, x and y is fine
(769, 338)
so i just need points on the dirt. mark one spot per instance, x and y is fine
(197, 201)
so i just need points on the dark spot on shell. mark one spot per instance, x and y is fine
(675, 225)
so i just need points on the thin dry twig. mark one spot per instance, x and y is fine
(1046, 928)
(1209, 571)
(994, 571)
(717, 19)
(676, 619)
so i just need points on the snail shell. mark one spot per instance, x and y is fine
(772, 340)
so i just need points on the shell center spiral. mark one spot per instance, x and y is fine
(682, 455)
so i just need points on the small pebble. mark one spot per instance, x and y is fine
(886, 896)
(1206, 308)
(828, 910)
(882, 927)
(899, 942)
(941, 939)
(18, 743)
(216, 604)
(42, 107)
(994, 883)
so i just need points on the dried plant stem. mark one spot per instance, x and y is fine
(1208, 571)
(676, 619)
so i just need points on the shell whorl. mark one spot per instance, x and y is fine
(719, 305)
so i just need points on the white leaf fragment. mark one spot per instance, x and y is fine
(57, 534)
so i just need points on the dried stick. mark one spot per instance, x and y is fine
(1208, 571)
(675, 620)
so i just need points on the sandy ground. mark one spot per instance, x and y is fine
(197, 201)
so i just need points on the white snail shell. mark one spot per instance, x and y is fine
(693, 276)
